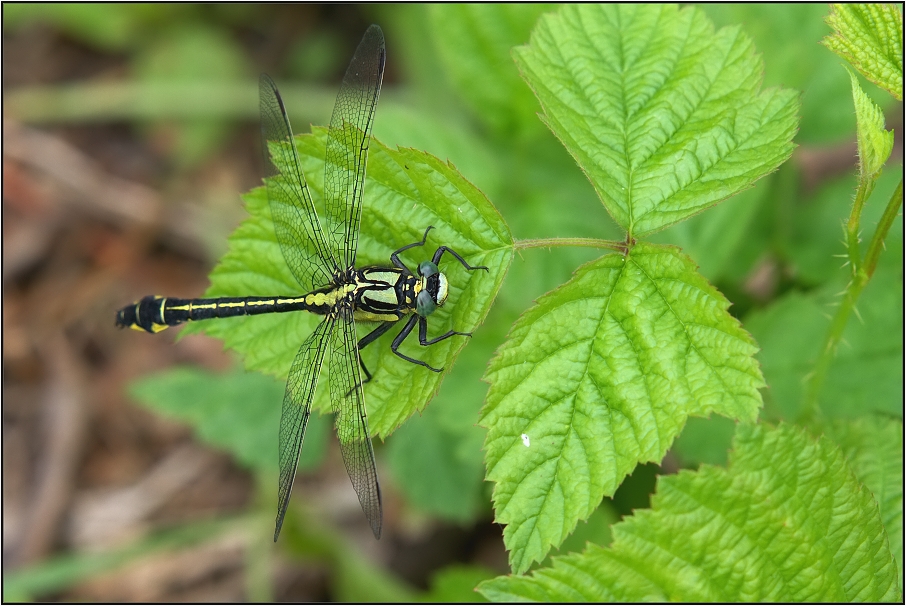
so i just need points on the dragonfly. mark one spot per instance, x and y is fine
(322, 259)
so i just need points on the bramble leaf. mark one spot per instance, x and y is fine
(599, 376)
(405, 191)
(875, 143)
(785, 522)
(787, 37)
(873, 447)
(663, 114)
(870, 37)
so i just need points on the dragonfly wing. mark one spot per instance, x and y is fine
(300, 389)
(347, 145)
(296, 223)
(348, 401)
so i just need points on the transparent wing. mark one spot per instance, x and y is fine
(347, 145)
(300, 389)
(295, 220)
(352, 424)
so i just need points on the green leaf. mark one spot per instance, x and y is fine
(600, 375)
(406, 191)
(875, 143)
(237, 412)
(712, 238)
(445, 136)
(662, 113)
(436, 456)
(870, 37)
(873, 446)
(787, 36)
(433, 470)
(474, 41)
(456, 584)
(786, 522)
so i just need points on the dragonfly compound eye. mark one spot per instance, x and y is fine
(427, 269)
(424, 304)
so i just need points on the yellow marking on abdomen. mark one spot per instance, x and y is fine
(291, 301)
(330, 297)
(206, 306)
(230, 304)
(321, 298)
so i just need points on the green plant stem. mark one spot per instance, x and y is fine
(852, 225)
(585, 242)
(850, 297)
(877, 242)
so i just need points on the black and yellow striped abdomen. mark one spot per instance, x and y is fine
(373, 294)
(154, 314)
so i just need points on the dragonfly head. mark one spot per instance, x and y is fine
(433, 292)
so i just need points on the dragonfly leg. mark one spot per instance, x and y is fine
(364, 342)
(394, 347)
(440, 252)
(423, 334)
(394, 257)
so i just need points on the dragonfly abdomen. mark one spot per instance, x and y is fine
(154, 314)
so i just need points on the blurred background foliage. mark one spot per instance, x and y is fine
(129, 132)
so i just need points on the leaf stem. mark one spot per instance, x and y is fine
(585, 242)
(850, 296)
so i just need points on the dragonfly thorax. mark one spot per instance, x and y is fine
(433, 289)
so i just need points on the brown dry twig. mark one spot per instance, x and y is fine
(97, 192)
(106, 517)
(65, 425)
